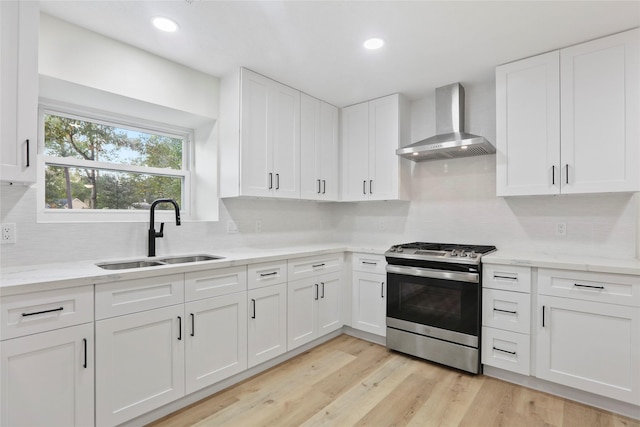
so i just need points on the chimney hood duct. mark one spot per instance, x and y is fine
(451, 140)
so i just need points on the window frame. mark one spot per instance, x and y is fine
(130, 123)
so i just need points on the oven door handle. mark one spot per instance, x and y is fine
(434, 274)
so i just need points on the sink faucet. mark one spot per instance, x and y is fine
(152, 228)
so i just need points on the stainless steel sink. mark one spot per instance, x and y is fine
(124, 265)
(192, 258)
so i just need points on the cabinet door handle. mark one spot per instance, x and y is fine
(317, 292)
(566, 172)
(84, 342)
(179, 328)
(318, 185)
(324, 186)
(382, 290)
(364, 187)
(553, 175)
(322, 295)
(505, 311)
(543, 316)
(270, 180)
(277, 181)
(505, 351)
(193, 325)
(588, 286)
(42, 312)
(253, 304)
(268, 274)
(28, 153)
(370, 186)
(498, 276)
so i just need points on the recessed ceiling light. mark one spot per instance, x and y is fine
(374, 43)
(165, 24)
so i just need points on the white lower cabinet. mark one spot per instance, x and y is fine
(590, 346)
(369, 308)
(216, 339)
(267, 326)
(139, 363)
(47, 379)
(313, 308)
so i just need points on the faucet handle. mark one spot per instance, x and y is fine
(160, 233)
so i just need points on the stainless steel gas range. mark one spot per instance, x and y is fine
(434, 302)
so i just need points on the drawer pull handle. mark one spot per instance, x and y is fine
(369, 263)
(268, 274)
(513, 353)
(84, 364)
(318, 265)
(42, 312)
(498, 276)
(588, 286)
(505, 311)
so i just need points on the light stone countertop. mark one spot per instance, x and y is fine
(565, 262)
(33, 278)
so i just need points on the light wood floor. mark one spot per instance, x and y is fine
(351, 382)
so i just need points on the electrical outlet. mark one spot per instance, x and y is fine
(8, 233)
(561, 229)
(232, 227)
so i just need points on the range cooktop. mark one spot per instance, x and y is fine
(446, 252)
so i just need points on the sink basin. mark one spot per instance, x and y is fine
(124, 265)
(192, 258)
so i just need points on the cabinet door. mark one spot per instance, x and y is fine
(256, 152)
(369, 302)
(18, 90)
(310, 148)
(329, 151)
(47, 378)
(528, 126)
(267, 328)
(384, 134)
(284, 116)
(216, 339)
(329, 318)
(590, 346)
(302, 311)
(139, 363)
(600, 92)
(355, 152)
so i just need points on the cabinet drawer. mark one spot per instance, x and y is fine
(213, 283)
(506, 350)
(601, 287)
(266, 274)
(130, 296)
(34, 312)
(507, 277)
(369, 263)
(506, 310)
(302, 268)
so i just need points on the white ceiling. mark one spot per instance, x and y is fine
(316, 46)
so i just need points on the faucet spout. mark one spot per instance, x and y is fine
(152, 230)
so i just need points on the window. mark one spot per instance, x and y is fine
(100, 165)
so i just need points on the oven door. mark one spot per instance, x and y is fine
(446, 300)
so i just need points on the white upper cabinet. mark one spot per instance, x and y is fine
(18, 91)
(371, 133)
(567, 121)
(318, 149)
(265, 160)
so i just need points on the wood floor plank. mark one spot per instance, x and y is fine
(347, 381)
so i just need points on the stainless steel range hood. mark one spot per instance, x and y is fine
(451, 140)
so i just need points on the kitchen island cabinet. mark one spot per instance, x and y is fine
(567, 121)
(18, 91)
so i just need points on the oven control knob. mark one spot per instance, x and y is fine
(454, 252)
(462, 253)
(399, 249)
(472, 254)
